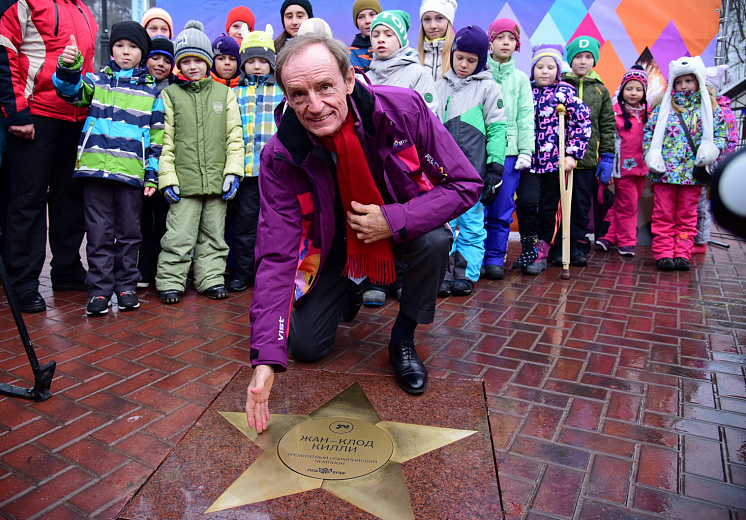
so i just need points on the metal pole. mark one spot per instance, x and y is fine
(104, 42)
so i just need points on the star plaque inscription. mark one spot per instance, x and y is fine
(342, 447)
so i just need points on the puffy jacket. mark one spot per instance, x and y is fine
(519, 106)
(472, 111)
(361, 53)
(432, 58)
(577, 131)
(593, 93)
(422, 174)
(34, 34)
(403, 69)
(202, 142)
(123, 133)
(628, 158)
(677, 154)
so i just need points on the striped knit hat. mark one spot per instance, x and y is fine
(193, 41)
(548, 50)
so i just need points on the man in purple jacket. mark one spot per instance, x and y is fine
(340, 142)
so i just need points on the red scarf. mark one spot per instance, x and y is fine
(374, 260)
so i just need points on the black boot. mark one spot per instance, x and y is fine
(411, 374)
(528, 255)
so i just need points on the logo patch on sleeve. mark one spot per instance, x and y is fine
(499, 103)
(429, 97)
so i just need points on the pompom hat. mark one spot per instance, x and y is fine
(505, 25)
(193, 41)
(636, 73)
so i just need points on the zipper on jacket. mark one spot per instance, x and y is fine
(144, 165)
(56, 18)
(82, 146)
(86, 20)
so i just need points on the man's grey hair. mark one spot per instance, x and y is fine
(338, 50)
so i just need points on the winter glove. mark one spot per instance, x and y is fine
(523, 162)
(230, 186)
(605, 167)
(493, 179)
(171, 193)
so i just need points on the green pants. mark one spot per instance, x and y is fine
(193, 223)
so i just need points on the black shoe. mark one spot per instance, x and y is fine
(445, 288)
(353, 303)
(70, 286)
(681, 264)
(665, 264)
(97, 306)
(462, 287)
(171, 296)
(238, 285)
(31, 301)
(127, 301)
(555, 257)
(577, 259)
(411, 374)
(217, 292)
(494, 272)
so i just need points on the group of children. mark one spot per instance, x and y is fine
(189, 118)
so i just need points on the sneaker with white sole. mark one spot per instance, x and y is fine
(627, 250)
(127, 301)
(97, 306)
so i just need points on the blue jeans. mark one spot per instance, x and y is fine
(498, 216)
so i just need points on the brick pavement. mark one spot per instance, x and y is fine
(617, 394)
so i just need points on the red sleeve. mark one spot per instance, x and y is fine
(14, 67)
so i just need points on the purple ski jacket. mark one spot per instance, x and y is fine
(424, 179)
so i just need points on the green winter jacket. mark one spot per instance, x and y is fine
(519, 106)
(595, 95)
(203, 140)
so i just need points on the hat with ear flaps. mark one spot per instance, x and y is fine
(707, 151)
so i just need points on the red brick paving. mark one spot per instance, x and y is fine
(617, 394)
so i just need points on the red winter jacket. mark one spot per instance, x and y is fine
(33, 34)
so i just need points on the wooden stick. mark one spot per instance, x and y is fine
(565, 180)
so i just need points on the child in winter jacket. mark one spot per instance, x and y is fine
(505, 39)
(258, 95)
(226, 58)
(538, 192)
(582, 55)
(117, 158)
(202, 159)
(687, 112)
(631, 113)
(436, 35)
(394, 62)
(237, 17)
(471, 108)
(363, 13)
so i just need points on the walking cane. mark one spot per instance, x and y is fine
(565, 180)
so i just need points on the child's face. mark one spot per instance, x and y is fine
(295, 15)
(159, 66)
(545, 71)
(384, 41)
(234, 31)
(364, 19)
(434, 24)
(126, 54)
(226, 66)
(158, 27)
(256, 66)
(464, 63)
(582, 63)
(633, 92)
(504, 46)
(193, 68)
(687, 82)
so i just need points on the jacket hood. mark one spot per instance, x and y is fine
(401, 58)
(137, 75)
(361, 42)
(194, 86)
(591, 76)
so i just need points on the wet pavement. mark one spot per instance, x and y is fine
(619, 393)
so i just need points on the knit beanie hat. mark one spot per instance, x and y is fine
(225, 45)
(505, 25)
(635, 73)
(583, 44)
(397, 21)
(132, 31)
(305, 4)
(161, 45)
(362, 5)
(193, 41)
(714, 76)
(551, 50)
(472, 39)
(445, 7)
(240, 14)
(707, 148)
(259, 44)
(315, 25)
(160, 14)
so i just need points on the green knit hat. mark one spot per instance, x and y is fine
(583, 44)
(397, 21)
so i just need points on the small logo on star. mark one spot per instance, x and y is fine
(341, 427)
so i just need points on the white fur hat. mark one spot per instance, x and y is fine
(707, 152)
(445, 7)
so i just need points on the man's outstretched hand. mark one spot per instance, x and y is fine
(368, 222)
(257, 397)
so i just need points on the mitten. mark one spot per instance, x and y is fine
(654, 160)
(605, 167)
(230, 186)
(171, 193)
(706, 154)
(493, 179)
(523, 162)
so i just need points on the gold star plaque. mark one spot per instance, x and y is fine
(343, 447)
